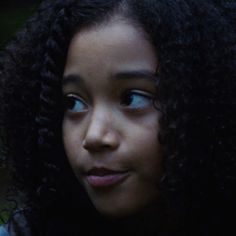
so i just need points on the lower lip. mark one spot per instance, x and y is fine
(106, 180)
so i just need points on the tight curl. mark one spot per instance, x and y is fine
(195, 43)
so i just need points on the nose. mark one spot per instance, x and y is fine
(101, 133)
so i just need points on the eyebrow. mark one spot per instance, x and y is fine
(72, 79)
(136, 74)
(122, 75)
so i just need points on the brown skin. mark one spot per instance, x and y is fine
(102, 127)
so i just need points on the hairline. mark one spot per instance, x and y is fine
(123, 13)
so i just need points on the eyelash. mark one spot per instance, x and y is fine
(130, 99)
(142, 99)
(70, 101)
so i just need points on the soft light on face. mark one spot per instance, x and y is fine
(110, 125)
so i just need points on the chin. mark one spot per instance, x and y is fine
(122, 212)
(116, 212)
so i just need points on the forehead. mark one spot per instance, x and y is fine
(117, 38)
(109, 32)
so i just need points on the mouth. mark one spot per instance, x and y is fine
(103, 177)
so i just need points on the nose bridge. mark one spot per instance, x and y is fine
(101, 131)
(100, 121)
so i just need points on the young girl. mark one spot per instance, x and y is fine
(118, 118)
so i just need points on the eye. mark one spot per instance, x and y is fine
(136, 99)
(74, 104)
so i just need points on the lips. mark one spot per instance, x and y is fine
(103, 177)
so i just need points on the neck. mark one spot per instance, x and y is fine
(149, 221)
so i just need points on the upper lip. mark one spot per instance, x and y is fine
(102, 171)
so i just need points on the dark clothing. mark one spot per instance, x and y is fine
(21, 224)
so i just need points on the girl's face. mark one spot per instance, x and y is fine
(110, 126)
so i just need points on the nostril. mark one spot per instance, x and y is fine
(92, 144)
(95, 146)
(108, 142)
(84, 144)
(87, 145)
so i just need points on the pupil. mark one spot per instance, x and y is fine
(69, 103)
(127, 98)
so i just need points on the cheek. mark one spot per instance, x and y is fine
(71, 141)
(143, 136)
(66, 137)
(149, 158)
(146, 149)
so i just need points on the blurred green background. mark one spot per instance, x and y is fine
(13, 14)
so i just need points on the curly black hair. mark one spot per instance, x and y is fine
(195, 45)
